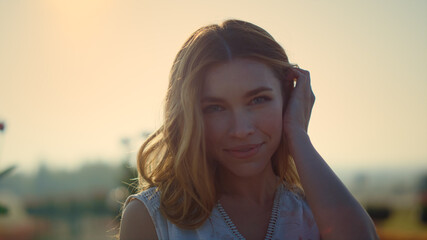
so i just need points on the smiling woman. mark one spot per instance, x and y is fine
(233, 159)
(236, 98)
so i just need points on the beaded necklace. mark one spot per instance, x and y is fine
(271, 225)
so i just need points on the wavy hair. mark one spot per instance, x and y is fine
(173, 159)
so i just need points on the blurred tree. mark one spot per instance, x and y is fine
(7, 171)
(130, 178)
(2, 128)
(423, 198)
(130, 174)
(379, 213)
(44, 181)
(423, 214)
(3, 209)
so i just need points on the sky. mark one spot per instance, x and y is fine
(78, 77)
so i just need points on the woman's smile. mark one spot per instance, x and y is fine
(244, 151)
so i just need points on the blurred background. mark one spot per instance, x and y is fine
(82, 85)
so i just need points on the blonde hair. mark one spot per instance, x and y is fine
(173, 159)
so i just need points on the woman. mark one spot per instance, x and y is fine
(232, 159)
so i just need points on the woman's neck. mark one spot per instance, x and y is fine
(257, 189)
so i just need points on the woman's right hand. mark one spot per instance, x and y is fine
(300, 105)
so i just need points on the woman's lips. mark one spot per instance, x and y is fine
(244, 151)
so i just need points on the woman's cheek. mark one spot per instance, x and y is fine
(214, 129)
(271, 117)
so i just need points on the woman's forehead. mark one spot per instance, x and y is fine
(239, 75)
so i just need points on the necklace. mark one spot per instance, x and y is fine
(271, 225)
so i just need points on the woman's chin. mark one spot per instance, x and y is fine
(247, 169)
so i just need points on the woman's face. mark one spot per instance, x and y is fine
(242, 110)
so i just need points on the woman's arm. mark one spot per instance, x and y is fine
(337, 213)
(137, 223)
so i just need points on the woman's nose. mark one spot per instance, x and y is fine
(241, 125)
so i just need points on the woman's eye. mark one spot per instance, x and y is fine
(261, 99)
(213, 108)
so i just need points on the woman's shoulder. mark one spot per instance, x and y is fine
(293, 190)
(150, 197)
(295, 211)
(136, 219)
(293, 201)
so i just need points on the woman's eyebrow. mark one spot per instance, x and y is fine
(257, 90)
(247, 95)
(211, 99)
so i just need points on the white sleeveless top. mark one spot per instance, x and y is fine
(291, 218)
